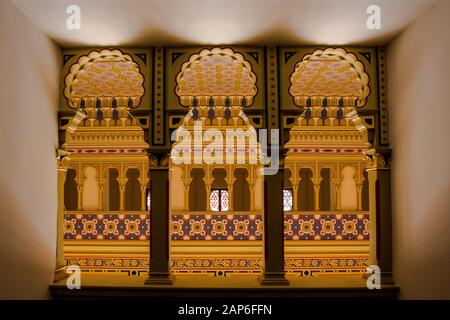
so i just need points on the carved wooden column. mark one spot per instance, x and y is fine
(143, 182)
(251, 187)
(159, 267)
(143, 196)
(122, 180)
(122, 185)
(379, 175)
(337, 187)
(359, 183)
(187, 184)
(208, 182)
(230, 184)
(101, 186)
(80, 194)
(295, 182)
(251, 179)
(337, 180)
(60, 271)
(359, 195)
(273, 270)
(316, 185)
(122, 196)
(294, 197)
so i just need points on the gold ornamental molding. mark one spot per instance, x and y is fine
(328, 136)
(127, 136)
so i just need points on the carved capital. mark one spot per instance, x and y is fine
(164, 161)
(377, 160)
(316, 181)
(101, 182)
(208, 182)
(158, 161)
(337, 182)
(231, 181)
(152, 161)
(122, 183)
(62, 158)
(186, 181)
(251, 181)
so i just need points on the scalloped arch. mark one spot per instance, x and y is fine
(330, 73)
(218, 74)
(104, 75)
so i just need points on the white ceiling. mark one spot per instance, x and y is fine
(184, 22)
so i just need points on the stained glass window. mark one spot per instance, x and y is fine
(219, 200)
(287, 200)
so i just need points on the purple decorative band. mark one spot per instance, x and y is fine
(106, 227)
(90, 226)
(326, 227)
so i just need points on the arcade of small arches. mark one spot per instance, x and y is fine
(217, 211)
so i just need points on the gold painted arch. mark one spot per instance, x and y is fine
(218, 74)
(332, 74)
(104, 76)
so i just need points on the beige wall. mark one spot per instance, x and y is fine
(419, 100)
(29, 65)
(419, 111)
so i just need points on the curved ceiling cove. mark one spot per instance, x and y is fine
(104, 78)
(332, 74)
(219, 74)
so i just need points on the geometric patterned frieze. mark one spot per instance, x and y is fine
(232, 265)
(133, 226)
(326, 227)
(216, 227)
(106, 227)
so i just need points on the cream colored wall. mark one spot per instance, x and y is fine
(419, 96)
(349, 197)
(29, 65)
(90, 189)
(176, 189)
(258, 193)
